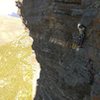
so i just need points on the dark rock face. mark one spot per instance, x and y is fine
(66, 74)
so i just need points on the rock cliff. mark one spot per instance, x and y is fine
(68, 72)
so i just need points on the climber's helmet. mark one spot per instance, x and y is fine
(81, 27)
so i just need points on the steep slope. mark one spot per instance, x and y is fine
(68, 71)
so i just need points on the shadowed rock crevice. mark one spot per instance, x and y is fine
(67, 73)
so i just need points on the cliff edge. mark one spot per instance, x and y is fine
(70, 67)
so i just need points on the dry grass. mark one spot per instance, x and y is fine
(14, 43)
(10, 28)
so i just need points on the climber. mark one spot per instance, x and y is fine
(78, 38)
(82, 34)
